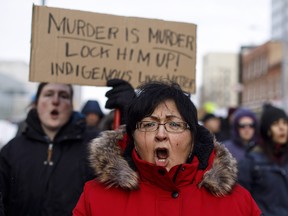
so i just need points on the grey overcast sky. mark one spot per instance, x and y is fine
(222, 25)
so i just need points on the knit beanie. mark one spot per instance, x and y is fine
(269, 115)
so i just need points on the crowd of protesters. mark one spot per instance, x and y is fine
(259, 143)
(47, 166)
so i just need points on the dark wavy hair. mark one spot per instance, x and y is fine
(150, 95)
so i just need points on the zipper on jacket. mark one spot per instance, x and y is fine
(49, 161)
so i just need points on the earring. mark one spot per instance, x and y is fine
(135, 148)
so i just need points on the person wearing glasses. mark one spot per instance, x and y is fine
(243, 133)
(264, 170)
(171, 165)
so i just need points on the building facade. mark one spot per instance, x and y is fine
(279, 19)
(15, 90)
(261, 76)
(220, 79)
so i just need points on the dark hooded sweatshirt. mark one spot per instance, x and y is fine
(34, 185)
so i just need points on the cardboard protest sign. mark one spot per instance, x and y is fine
(85, 48)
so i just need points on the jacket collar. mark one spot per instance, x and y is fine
(178, 176)
(113, 170)
(73, 129)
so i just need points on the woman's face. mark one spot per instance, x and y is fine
(246, 128)
(54, 106)
(279, 131)
(161, 147)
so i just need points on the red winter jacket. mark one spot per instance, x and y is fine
(152, 191)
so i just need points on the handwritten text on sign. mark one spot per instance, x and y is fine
(86, 48)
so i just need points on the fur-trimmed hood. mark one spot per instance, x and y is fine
(113, 170)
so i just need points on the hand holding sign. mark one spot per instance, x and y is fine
(119, 96)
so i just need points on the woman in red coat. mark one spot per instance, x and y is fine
(171, 165)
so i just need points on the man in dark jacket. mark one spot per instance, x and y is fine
(43, 170)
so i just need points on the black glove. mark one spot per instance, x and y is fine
(120, 96)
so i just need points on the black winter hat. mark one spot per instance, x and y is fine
(207, 117)
(269, 115)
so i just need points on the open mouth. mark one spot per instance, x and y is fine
(54, 113)
(282, 136)
(161, 156)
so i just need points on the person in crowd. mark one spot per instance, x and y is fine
(212, 123)
(171, 164)
(43, 170)
(93, 114)
(226, 125)
(243, 134)
(264, 170)
(107, 122)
